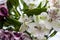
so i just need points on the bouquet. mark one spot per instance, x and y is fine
(29, 19)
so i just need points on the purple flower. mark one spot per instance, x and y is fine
(3, 10)
(12, 35)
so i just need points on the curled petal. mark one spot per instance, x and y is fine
(4, 11)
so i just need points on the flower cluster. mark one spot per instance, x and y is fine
(35, 19)
(42, 23)
(12, 35)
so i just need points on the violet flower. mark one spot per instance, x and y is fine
(11, 35)
(3, 10)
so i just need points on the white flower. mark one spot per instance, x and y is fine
(37, 30)
(23, 27)
(35, 2)
(45, 24)
(25, 18)
(55, 3)
(55, 16)
(52, 12)
(56, 25)
(44, 16)
(41, 25)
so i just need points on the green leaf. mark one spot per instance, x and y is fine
(12, 6)
(53, 33)
(36, 11)
(40, 5)
(51, 30)
(9, 5)
(24, 5)
(13, 22)
(45, 4)
(1, 24)
(16, 14)
(13, 3)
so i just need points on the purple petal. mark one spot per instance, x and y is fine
(17, 34)
(10, 35)
(4, 11)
